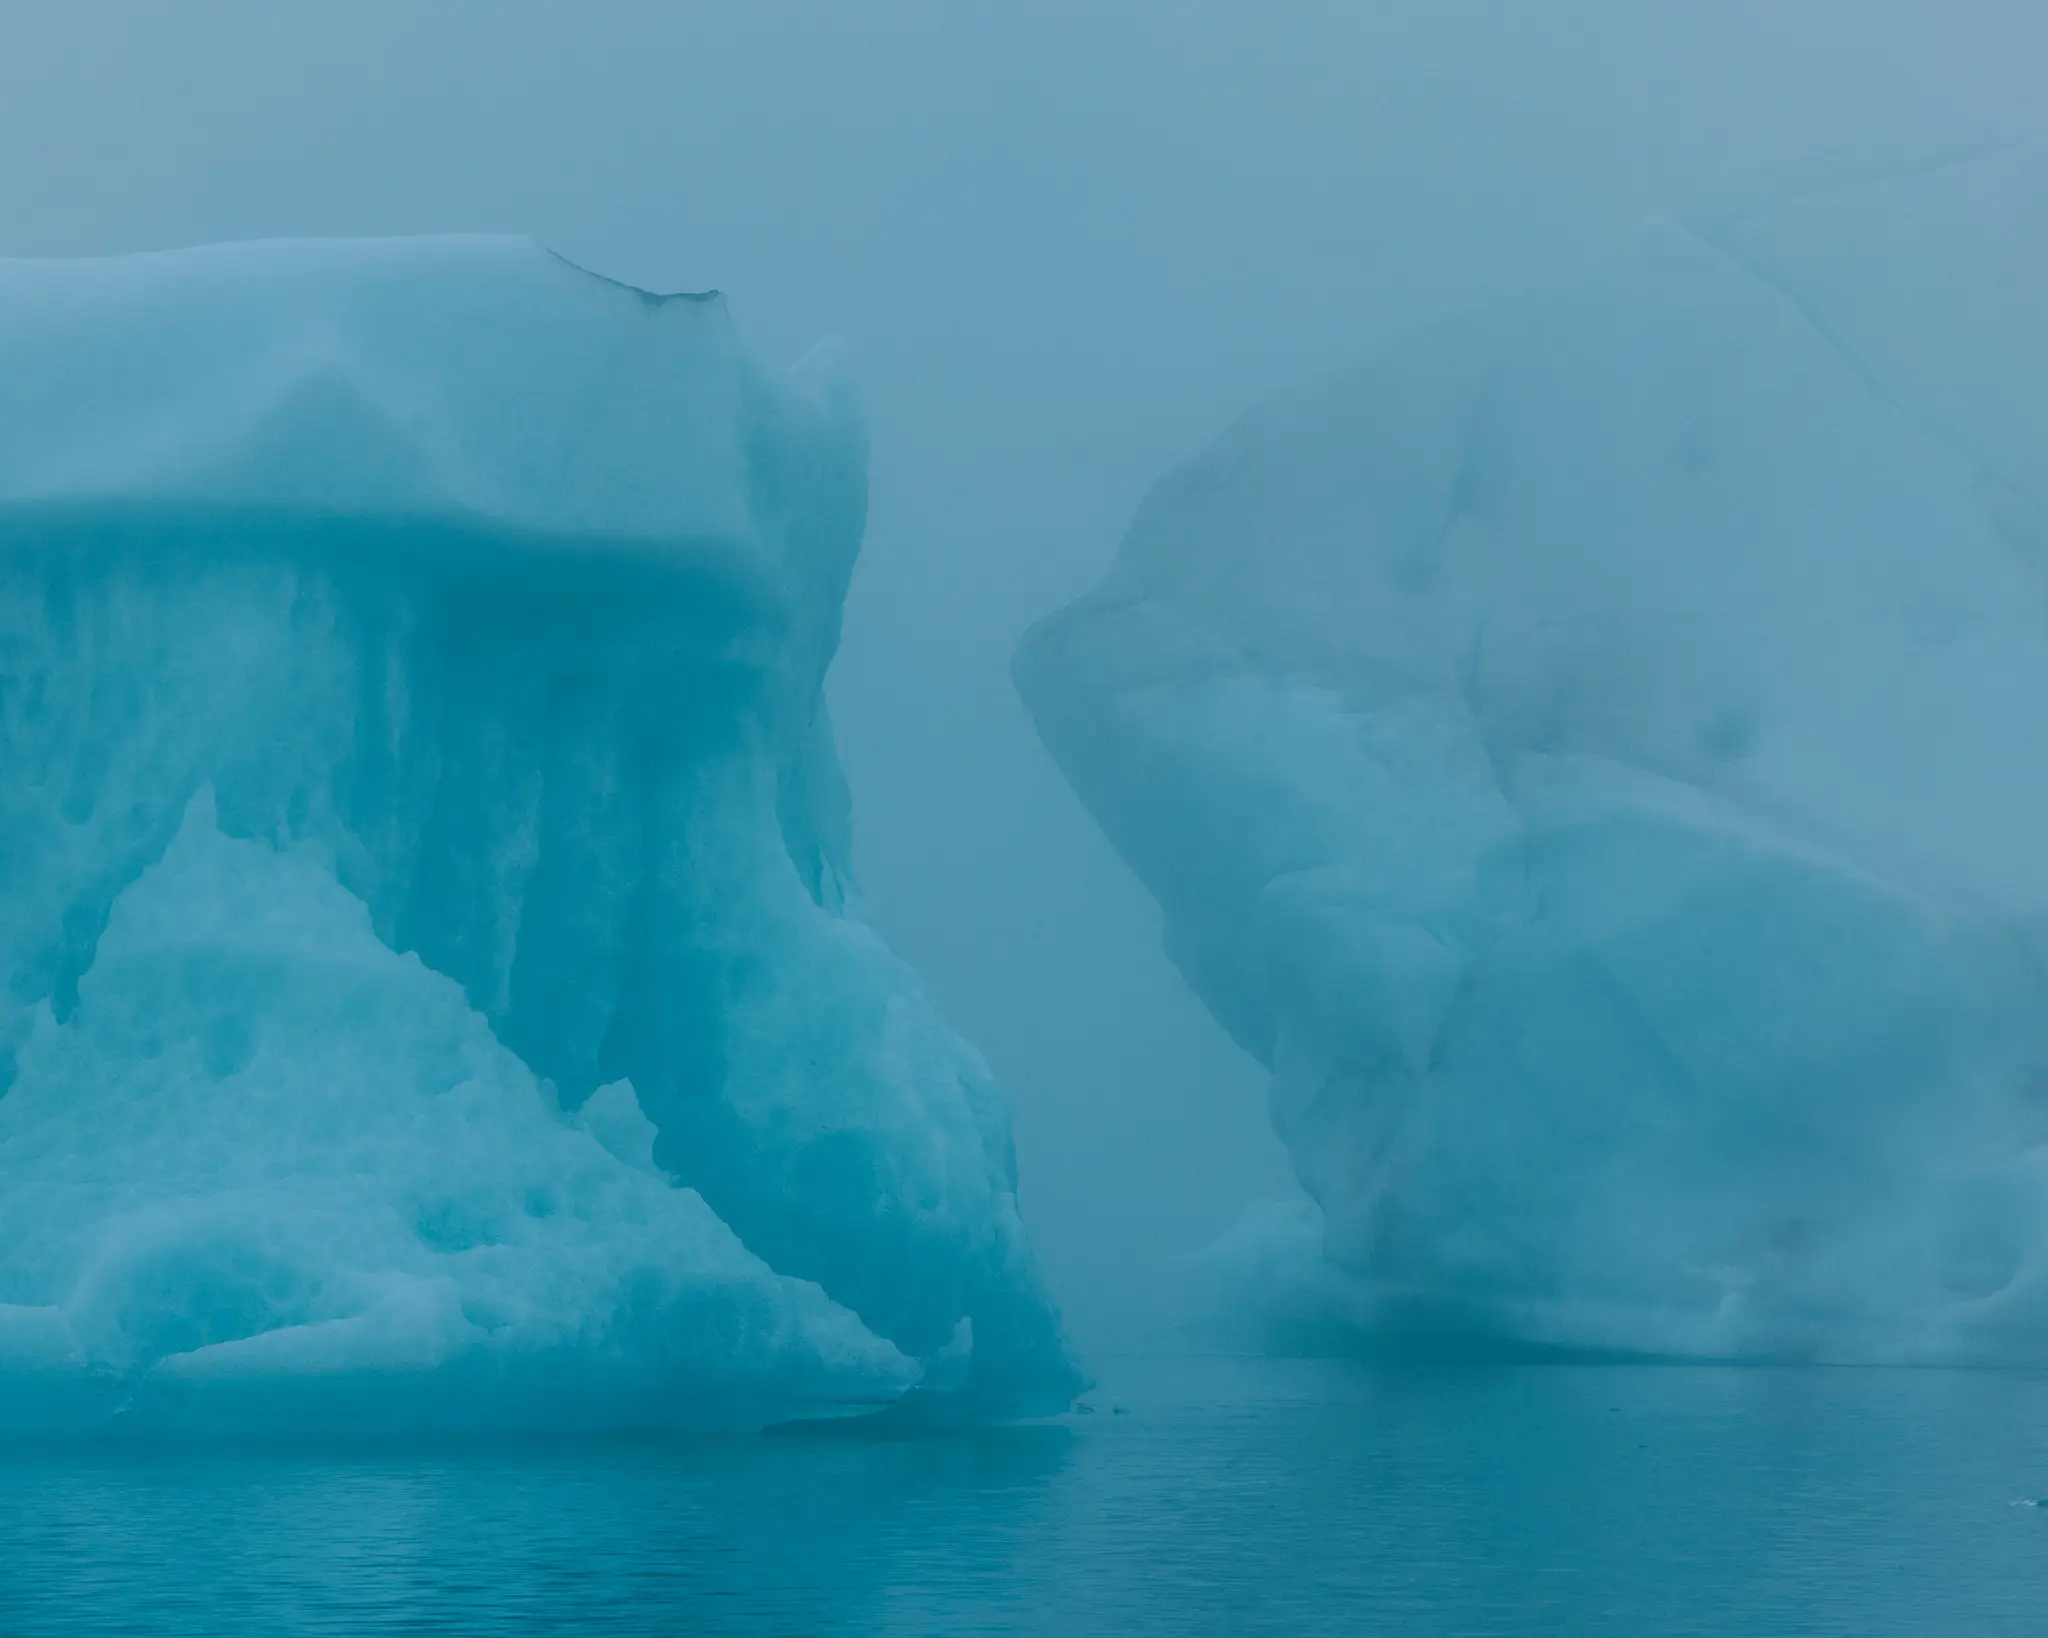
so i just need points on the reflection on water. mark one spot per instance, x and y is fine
(1235, 1497)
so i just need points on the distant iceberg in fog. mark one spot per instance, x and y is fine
(432, 997)
(1596, 754)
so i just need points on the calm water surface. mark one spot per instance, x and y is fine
(1234, 1497)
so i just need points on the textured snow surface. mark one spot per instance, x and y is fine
(434, 995)
(1596, 754)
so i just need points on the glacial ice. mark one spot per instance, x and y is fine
(1595, 753)
(434, 992)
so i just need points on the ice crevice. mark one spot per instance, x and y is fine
(1987, 468)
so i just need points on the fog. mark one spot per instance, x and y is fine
(1065, 244)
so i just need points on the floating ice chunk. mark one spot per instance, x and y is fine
(484, 606)
(1594, 755)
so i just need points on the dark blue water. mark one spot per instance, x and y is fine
(1234, 1497)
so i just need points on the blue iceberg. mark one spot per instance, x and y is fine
(435, 995)
(1596, 755)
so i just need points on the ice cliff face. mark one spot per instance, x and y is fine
(1596, 754)
(431, 992)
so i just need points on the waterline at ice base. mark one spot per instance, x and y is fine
(1595, 754)
(435, 996)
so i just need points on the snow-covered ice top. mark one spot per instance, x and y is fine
(477, 382)
(1596, 752)
(434, 990)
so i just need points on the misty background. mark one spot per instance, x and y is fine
(1066, 243)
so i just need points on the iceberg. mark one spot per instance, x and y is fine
(1595, 754)
(435, 993)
